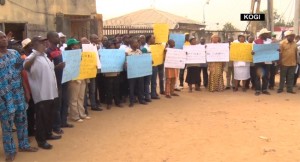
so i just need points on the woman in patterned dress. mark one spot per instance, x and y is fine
(215, 80)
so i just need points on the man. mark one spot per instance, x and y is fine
(262, 69)
(142, 41)
(252, 69)
(287, 62)
(63, 40)
(12, 101)
(124, 86)
(96, 83)
(203, 68)
(181, 71)
(55, 55)
(230, 70)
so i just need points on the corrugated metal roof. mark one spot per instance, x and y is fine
(148, 17)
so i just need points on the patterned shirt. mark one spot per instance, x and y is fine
(11, 90)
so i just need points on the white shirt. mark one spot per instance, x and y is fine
(124, 47)
(42, 78)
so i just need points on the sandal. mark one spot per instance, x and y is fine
(29, 149)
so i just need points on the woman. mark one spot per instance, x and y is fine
(215, 80)
(241, 69)
(193, 72)
(76, 91)
(171, 76)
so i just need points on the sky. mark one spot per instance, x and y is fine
(216, 12)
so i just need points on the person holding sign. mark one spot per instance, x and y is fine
(215, 82)
(171, 75)
(241, 69)
(76, 91)
(262, 69)
(193, 72)
(135, 82)
(287, 62)
(181, 71)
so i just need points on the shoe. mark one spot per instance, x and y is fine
(291, 92)
(45, 146)
(227, 88)
(10, 158)
(96, 109)
(162, 93)
(143, 103)
(279, 91)
(79, 120)
(53, 137)
(155, 98)
(108, 107)
(174, 94)
(266, 93)
(99, 105)
(59, 132)
(148, 100)
(271, 88)
(180, 87)
(257, 93)
(86, 117)
(67, 126)
(235, 89)
(168, 96)
(177, 89)
(244, 89)
(29, 149)
(197, 89)
(119, 105)
(131, 104)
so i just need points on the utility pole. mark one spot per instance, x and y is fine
(270, 16)
(297, 17)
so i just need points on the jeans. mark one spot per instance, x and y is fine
(262, 73)
(147, 80)
(153, 81)
(57, 118)
(161, 76)
(287, 72)
(139, 84)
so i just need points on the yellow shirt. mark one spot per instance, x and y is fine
(187, 43)
(288, 53)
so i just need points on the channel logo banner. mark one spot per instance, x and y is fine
(253, 17)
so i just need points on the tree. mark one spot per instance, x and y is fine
(229, 27)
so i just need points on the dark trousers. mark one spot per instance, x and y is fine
(112, 89)
(57, 118)
(273, 69)
(64, 103)
(296, 75)
(124, 87)
(133, 83)
(100, 88)
(31, 118)
(252, 75)
(153, 81)
(181, 76)
(262, 76)
(45, 112)
(161, 77)
(147, 80)
(204, 76)
(287, 74)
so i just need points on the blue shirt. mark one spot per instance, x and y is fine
(11, 89)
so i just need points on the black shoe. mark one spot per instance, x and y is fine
(67, 125)
(119, 105)
(45, 146)
(148, 100)
(10, 158)
(271, 88)
(257, 93)
(155, 98)
(131, 104)
(59, 132)
(227, 88)
(96, 109)
(143, 103)
(108, 107)
(266, 93)
(53, 137)
(99, 105)
(279, 91)
(291, 92)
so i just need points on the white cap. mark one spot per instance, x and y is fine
(61, 35)
(289, 32)
(264, 31)
(25, 42)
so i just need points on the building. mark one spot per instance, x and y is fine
(148, 17)
(75, 18)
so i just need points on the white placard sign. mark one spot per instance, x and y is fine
(195, 54)
(175, 58)
(217, 52)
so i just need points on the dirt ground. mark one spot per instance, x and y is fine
(195, 127)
